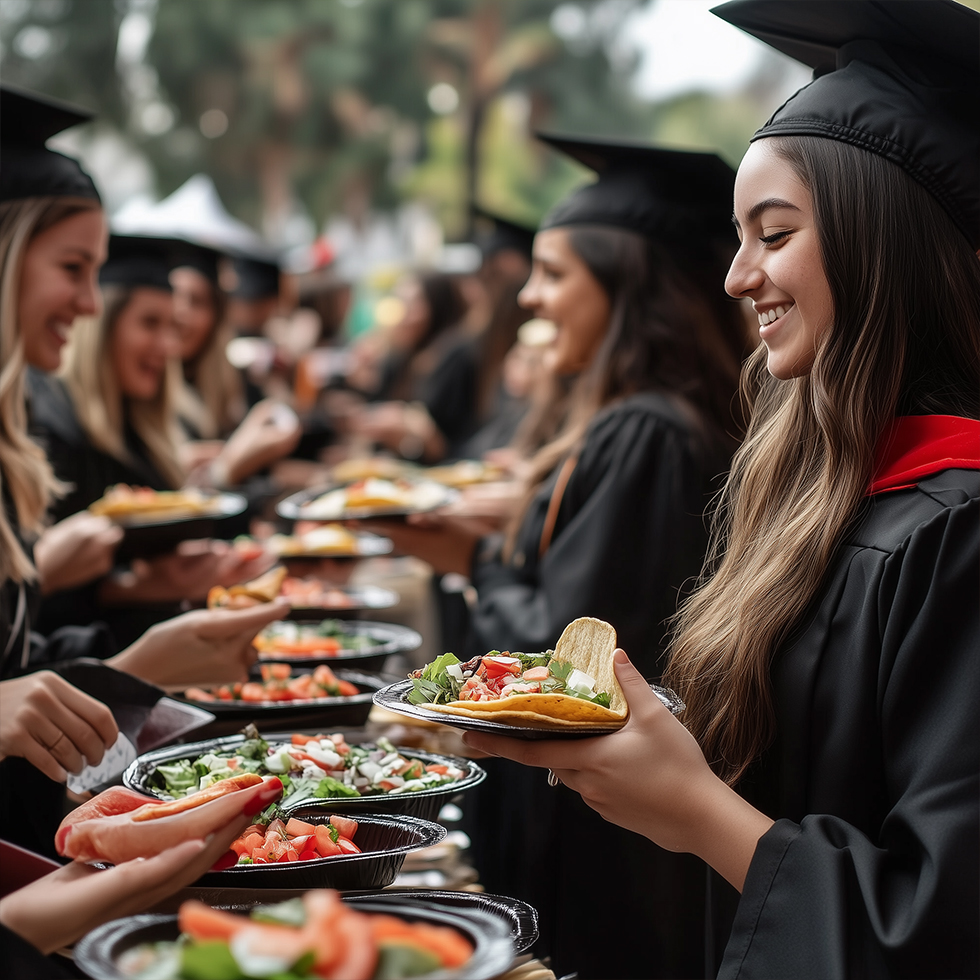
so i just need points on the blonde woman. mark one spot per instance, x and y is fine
(109, 417)
(52, 242)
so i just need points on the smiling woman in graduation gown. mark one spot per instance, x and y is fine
(827, 764)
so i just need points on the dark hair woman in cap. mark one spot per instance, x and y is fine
(830, 761)
(629, 269)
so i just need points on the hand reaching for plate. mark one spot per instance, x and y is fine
(206, 647)
(74, 551)
(649, 777)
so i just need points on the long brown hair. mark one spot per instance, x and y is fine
(905, 339)
(24, 468)
(671, 329)
(102, 410)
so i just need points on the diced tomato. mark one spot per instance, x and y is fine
(310, 854)
(346, 826)
(298, 739)
(297, 828)
(347, 846)
(324, 843)
(240, 847)
(197, 694)
(441, 770)
(324, 676)
(253, 692)
(498, 666)
(277, 672)
(536, 674)
(346, 689)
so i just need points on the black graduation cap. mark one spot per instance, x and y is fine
(198, 257)
(900, 78)
(255, 278)
(652, 190)
(137, 261)
(496, 234)
(27, 167)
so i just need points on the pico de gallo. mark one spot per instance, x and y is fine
(313, 936)
(279, 841)
(279, 684)
(498, 675)
(309, 767)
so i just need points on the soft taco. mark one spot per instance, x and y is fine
(572, 687)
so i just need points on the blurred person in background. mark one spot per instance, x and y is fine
(53, 238)
(630, 270)
(506, 265)
(424, 388)
(109, 417)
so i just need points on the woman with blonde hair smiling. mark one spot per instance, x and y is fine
(52, 242)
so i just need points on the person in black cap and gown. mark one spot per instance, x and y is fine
(629, 268)
(52, 242)
(829, 769)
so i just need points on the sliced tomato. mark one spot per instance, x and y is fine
(298, 739)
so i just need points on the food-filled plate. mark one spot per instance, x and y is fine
(270, 699)
(317, 769)
(313, 846)
(465, 473)
(568, 692)
(332, 640)
(311, 596)
(328, 541)
(519, 917)
(366, 498)
(155, 522)
(358, 938)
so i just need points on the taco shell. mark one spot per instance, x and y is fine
(588, 644)
(265, 588)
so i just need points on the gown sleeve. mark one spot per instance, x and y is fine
(893, 893)
(449, 394)
(629, 532)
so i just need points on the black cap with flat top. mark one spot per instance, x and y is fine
(899, 78)
(136, 261)
(495, 233)
(27, 167)
(655, 191)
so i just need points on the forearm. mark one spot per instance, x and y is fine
(726, 831)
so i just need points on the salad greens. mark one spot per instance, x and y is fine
(310, 768)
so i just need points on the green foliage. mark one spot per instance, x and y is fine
(327, 100)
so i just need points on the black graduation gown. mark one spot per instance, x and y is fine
(448, 390)
(629, 533)
(54, 424)
(871, 869)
